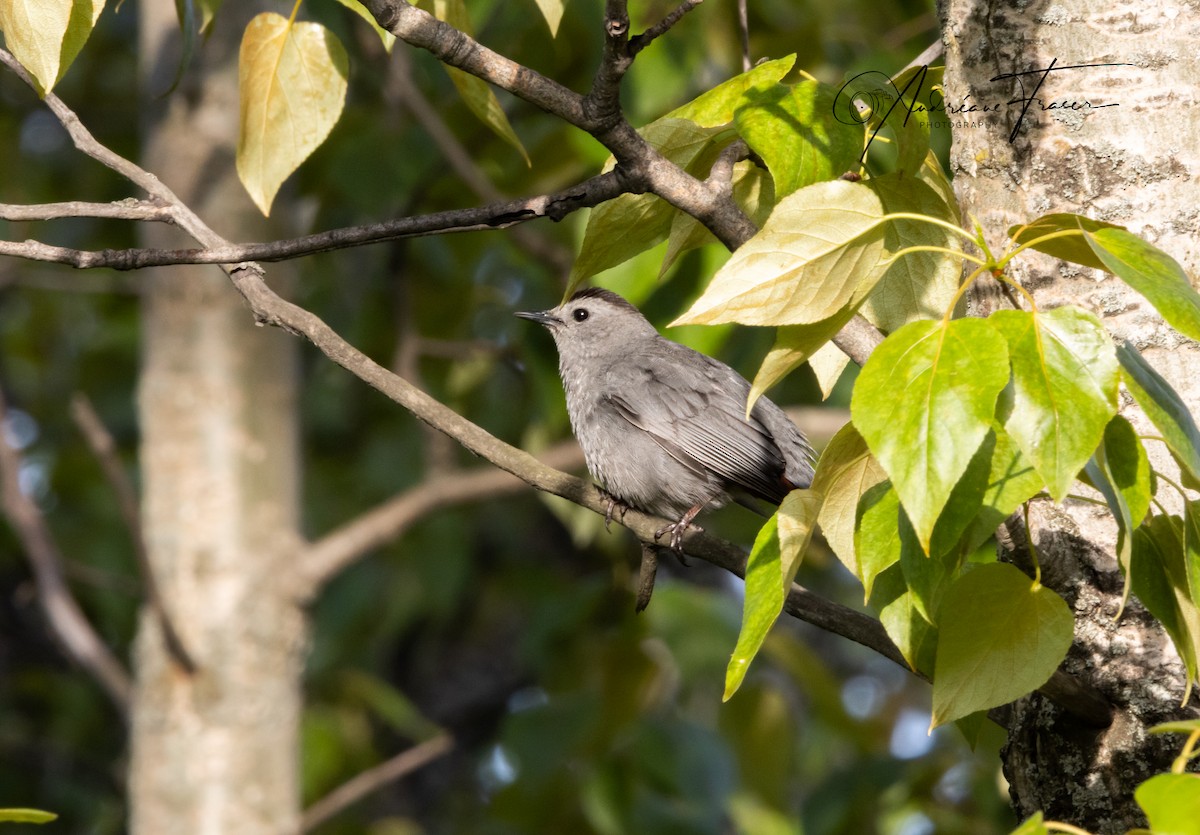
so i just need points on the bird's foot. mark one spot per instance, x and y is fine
(613, 504)
(678, 529)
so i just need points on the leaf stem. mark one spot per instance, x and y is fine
(936, 221)
(945, 250)
(980, 270)
(1058, 826)
(1188, 752)
(1062, 233)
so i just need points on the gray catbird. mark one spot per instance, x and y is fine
(664, 428)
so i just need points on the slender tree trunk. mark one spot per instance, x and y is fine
(1134, 164)
(214, 752)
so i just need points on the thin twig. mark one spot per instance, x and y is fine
(500, 215)
(63, 614)
(744, 32)
(373, 779)
(331, 554)
(128, 209)
(640, 42)
(101, 442)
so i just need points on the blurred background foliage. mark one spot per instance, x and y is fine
(510, 622)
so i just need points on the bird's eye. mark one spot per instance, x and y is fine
(580, 314)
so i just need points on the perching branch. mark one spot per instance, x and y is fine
(66, 619)
(101, 442)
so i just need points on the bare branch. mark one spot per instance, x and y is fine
(65, 617)
(127, 209)
(101, 442)
(373, 779)
(331, 554)
(218, 251)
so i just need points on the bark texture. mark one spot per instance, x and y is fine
(1137, 164)
(215, 751)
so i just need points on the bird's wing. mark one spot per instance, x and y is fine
(695, 408)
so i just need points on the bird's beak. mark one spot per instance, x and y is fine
(542, 318)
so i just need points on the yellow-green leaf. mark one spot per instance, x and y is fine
(1065, 377)
(924, 403)
(624, 227)
(292, 83)
(790, 129)
(772, 565)
(552, 10)
(356, 6)
(917, 285)
(26, 816)
(475, 92)
(1000, 636)
(794, 344)
(820, 251)
(715, 107)
(46, 35)
(845, 471)
(1171, 802)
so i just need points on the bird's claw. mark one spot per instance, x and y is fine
(613, 504)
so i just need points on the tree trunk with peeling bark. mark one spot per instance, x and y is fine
(1134, 164)
(217, 750)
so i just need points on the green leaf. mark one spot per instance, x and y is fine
(759, 610)
(1171, 802)
(772, 565)
(918, 285)
(820, 251)
(926, 575)
(1072, 247)
(552, 10)
(877, 538)
(292, 84)
(1120, 470)
(715, 107)
(476, 94)
(754, 193)
(924, 403)
(1164, 407)
(1032, 825)
(356, 6)
(26, 816)
(45, 36)
(794, 344)
(965, 503)
(828, 364)
(1159, 578)
(1001, 636)
(1011, 481)
(790, 128)
(912, 634)
(845, 471)
(619, 229)
(1151, 272)
(1065, 377)
(890, 105)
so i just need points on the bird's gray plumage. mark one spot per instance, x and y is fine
(664, 428)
